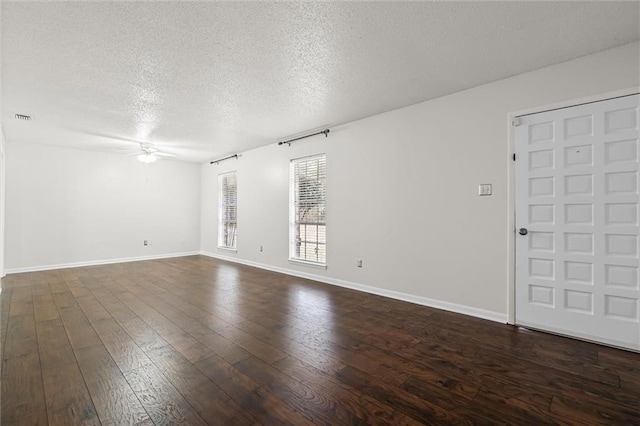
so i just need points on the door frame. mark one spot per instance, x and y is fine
(511, 180)
(2, 202)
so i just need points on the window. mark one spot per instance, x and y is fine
(227, 210)
(308, 230)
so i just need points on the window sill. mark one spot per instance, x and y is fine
(310, 264)
(228, 250)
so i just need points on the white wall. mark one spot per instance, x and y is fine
(402, 189)
(67, 206)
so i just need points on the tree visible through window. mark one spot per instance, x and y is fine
(308, 234)
(227, 210)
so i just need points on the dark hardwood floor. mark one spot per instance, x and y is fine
(200, 341)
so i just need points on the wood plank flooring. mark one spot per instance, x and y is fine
(198, 341)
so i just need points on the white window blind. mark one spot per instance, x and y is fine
(308, 230)
(228, 210)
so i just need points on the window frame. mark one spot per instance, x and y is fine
(320, 203)
(224, 212)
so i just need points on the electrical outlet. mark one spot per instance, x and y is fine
(359, 263)
(484, 189)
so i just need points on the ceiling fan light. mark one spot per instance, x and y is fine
(147, 158)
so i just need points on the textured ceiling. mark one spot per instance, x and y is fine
(203, 80)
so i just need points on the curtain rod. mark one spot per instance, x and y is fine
(324, 132)
(225, 158)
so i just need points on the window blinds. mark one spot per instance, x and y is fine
(228, 210)
(308, 234)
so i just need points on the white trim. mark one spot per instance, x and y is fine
(227, 249)
(419, 300)
(3, 166)
(293, 207)
(511, 199)
(98, 262)
(222, 219)
(316, 265)
(580, 101)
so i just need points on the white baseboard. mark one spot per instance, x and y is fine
(98, 262)
(419, 300)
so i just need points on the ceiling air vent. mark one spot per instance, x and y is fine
(22, 117)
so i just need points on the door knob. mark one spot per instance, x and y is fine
(523, 231)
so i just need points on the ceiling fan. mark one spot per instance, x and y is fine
(149, 154)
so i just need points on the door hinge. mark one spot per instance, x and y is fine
(516, 122)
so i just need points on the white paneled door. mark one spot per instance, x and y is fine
(577, 206)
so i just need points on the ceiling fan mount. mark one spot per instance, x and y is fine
(150, 154)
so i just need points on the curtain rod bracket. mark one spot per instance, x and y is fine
(324, 132)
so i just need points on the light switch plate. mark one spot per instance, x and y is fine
(484, 189)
